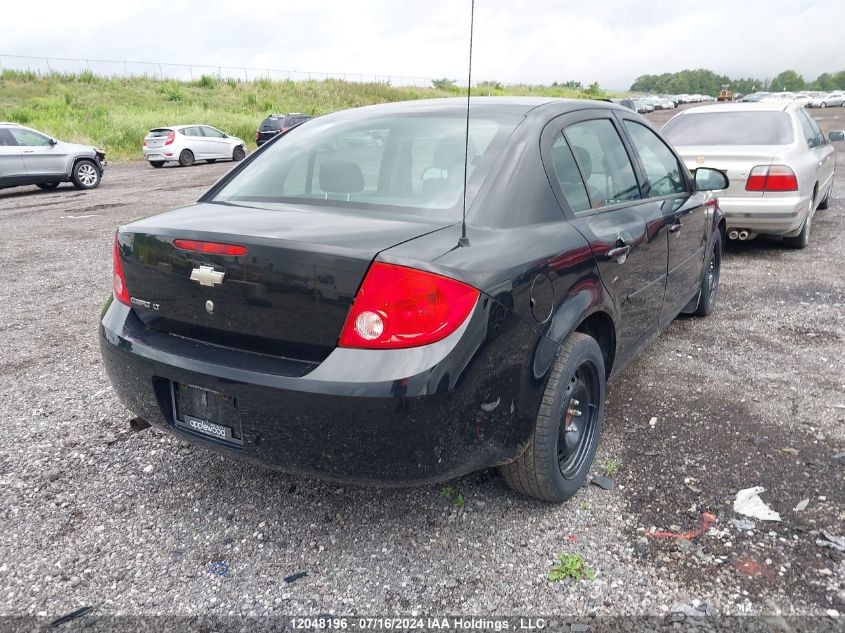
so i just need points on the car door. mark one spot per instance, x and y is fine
(216, 142)
(12, 169)
(822, 150)
(667, 186)
(195, 141)
(593, 175)
(40, 156)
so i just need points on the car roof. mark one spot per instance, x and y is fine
(752, 106)
(515, 106)
(10, 124)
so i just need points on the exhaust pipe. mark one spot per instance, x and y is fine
(137, 425)
(734, 234)
(743, 235)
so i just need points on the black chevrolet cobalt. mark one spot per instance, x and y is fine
(324, 310)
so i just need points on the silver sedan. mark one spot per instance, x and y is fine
(779, 164)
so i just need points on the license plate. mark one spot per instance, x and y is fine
(207, 412)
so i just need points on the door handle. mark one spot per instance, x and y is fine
(677, 226)
(29, 151)
(620, 253)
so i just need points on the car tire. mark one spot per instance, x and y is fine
(823, 104)
(239, 153)
(47, 186)
(556, 463)
(803, 238)
(710, 279)
(158, 164)
(85, 174)
(186, 158)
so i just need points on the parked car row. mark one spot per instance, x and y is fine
(808, 99)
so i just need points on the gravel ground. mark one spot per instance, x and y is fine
(94, 515)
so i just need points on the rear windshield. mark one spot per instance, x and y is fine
(159, 132)
(410, 163)
(730, 128)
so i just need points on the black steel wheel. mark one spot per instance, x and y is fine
(186, 158)
(567, 428)
(710, 279)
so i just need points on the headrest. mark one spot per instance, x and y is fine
(341, 176)
(586, 161)
(449, 152)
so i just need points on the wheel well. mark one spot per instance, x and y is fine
(599, 325)
(79, 158)
(723, 229)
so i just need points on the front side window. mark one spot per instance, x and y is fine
(604, 162)
(808, 132)
(661, 166)
(409, 162)
(815, 130)
(29, 138)
(212, 132)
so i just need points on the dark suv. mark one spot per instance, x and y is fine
(276, 124)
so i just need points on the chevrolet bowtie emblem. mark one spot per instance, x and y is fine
(207, 276)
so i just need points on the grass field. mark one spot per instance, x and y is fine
(115, 113)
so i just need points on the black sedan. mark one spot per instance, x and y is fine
(323, 308)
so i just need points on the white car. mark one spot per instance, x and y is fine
(828, 100)
(189, 143)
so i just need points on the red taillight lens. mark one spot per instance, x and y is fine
(171, 136)
(771, 178)
(120, 291)
(400, 307)
(257, 134)
(214, 248)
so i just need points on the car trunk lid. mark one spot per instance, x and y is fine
(156, 138)
(288, 295)
(736, 162)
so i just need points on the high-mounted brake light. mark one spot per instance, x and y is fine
(171, 136)
(119, 281)
(213, 248)
(771, 178)
(400, 307)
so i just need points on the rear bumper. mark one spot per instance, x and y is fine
(357, 417)
(161, 153)
(770, 215)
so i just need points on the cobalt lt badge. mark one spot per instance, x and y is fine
(209, 306)
(207, 276)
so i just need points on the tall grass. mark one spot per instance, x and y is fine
(115, 113)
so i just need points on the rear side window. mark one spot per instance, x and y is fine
(661, 167)
(6, 139)
(569, 176)
(730, 128)
(604, 162)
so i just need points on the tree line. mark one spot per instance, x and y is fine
(703, 81)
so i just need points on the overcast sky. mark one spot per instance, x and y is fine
(538, 41)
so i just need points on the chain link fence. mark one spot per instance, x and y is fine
(189, 72)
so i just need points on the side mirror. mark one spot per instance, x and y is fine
(836, 135)
(53, 141)
(707, 179)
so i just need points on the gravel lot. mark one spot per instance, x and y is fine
(94, 515)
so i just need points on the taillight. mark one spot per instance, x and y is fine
(771, 178)
(257, 134)
(282, 129)
(214, 248)
(145, 142)
(171, 136)
(400, 307)
(119, 281)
